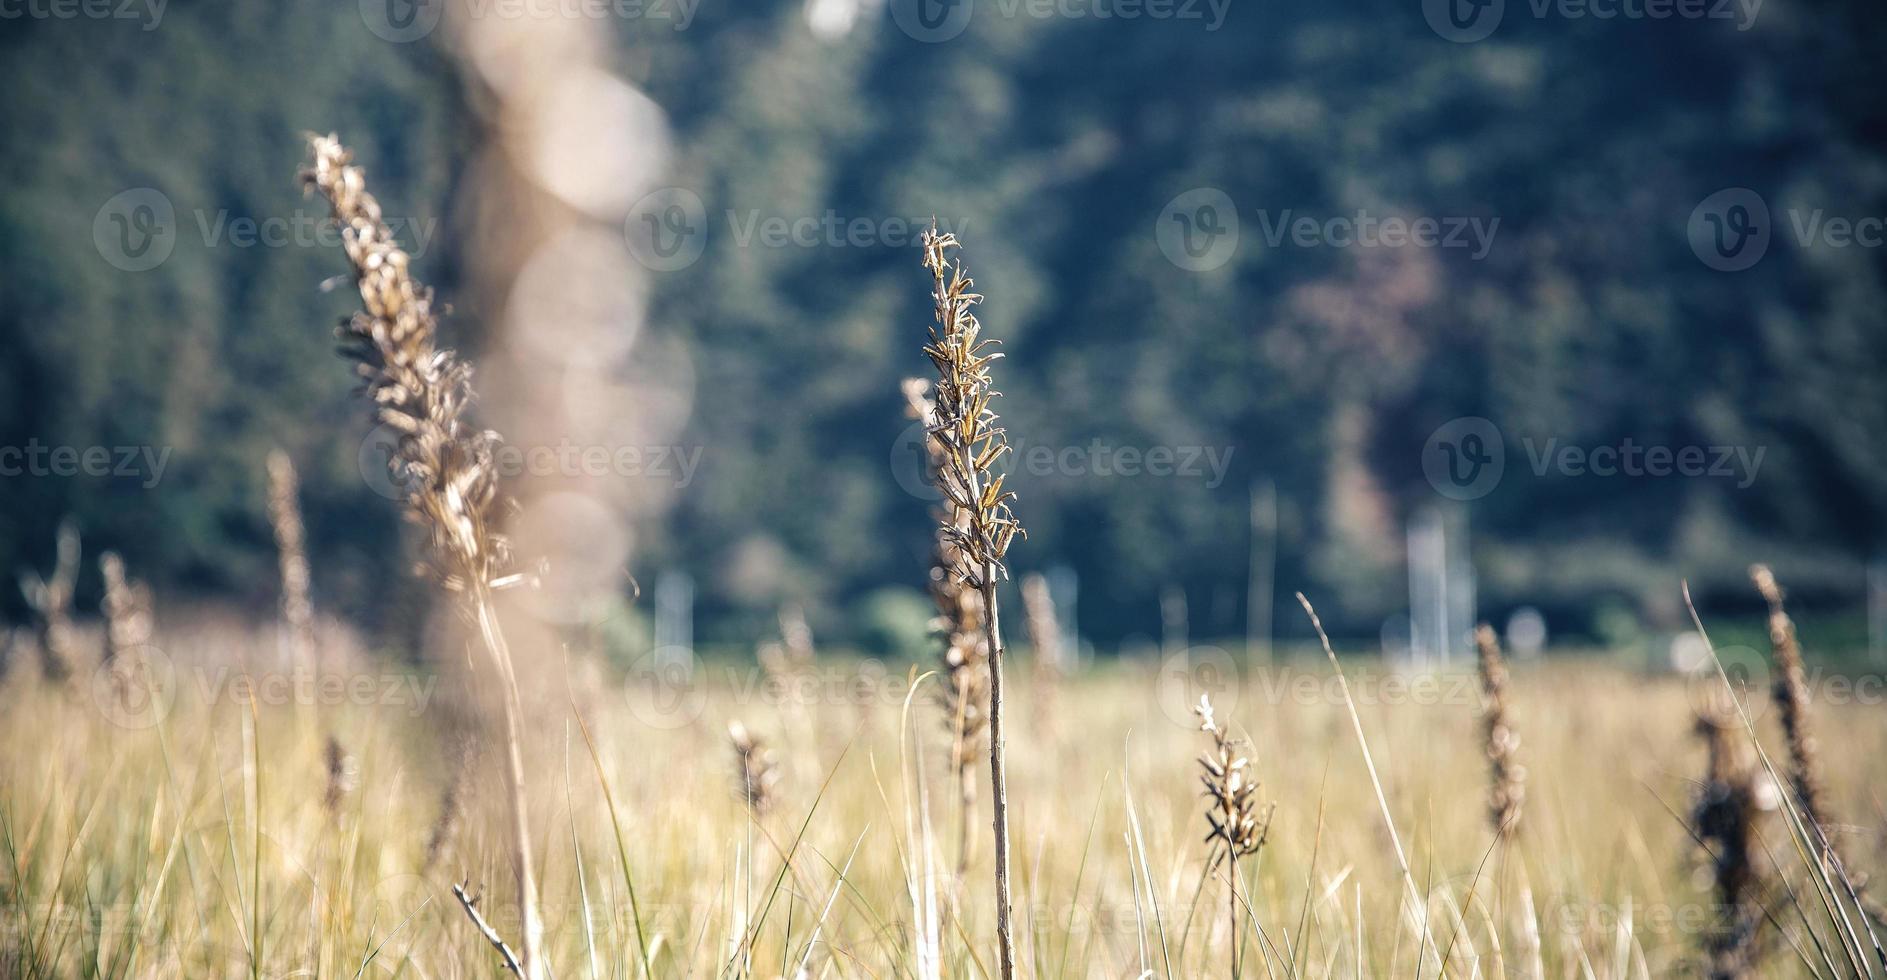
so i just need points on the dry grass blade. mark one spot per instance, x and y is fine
(1369, 763)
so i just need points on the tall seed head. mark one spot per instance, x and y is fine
(443, 466)
(1507, 778)
(1231, 792)
(963, 424)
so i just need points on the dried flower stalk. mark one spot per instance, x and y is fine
(292, 556)
(51, 602)
(343, 773)
(964, 649)
(452, 800)
(1507, 778)
(1728, 804)
(1232, 811)
(981, 525)
(1791, 697)
(755, 774)
(127, 609)
(792, 655)
(443, 467)
(1038, 608)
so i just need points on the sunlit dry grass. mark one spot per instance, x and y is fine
(135, 850)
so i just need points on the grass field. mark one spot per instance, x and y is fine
(209, 834)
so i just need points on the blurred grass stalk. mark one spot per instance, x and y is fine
(443, 469)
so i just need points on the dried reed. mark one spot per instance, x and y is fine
(452, 800)
(964, 648)
(292, 556)
(792, 655)
(981, 526)
(127, 609)
(1790, 692)
(1507, 778)
(51, 603)
(1237, 831)
(1038, 608)
(343, 774)
(755, 774)
(1728, 804)
(443, 467)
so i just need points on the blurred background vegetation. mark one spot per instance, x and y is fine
(1051, 145)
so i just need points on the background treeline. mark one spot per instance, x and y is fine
(1052, 146)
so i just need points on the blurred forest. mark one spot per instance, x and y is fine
(1051, 145)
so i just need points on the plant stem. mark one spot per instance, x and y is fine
(998, 770)
(1231, 907)
(512, 706)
